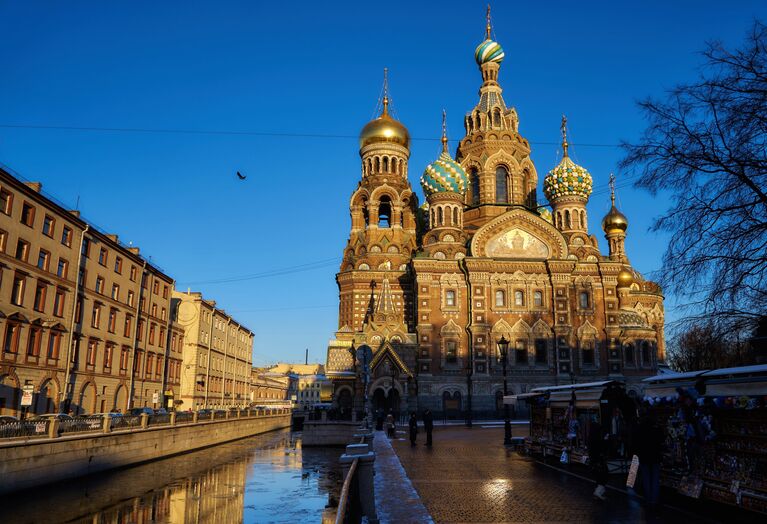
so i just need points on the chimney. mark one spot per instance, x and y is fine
(113, 238)
(134, 250)
(34, 186)
(74, 213)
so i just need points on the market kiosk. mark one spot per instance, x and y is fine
(560, 415)
(716, 433)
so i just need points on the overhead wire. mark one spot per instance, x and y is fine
(309, 266)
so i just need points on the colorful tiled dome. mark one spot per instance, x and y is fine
(444, 175)
(489, 51)
(567, 179)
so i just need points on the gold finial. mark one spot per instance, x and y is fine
(564, 135)
(489, 27)
(386, 92)
(444, 131)
(612, 189)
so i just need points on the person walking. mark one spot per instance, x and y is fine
(649, 448)
(413, 424)
(428, 425)
(390, 425)
(597, 446)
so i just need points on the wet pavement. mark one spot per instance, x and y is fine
(263, 479)
(468, 476)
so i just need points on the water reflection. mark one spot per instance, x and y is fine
(268, 478)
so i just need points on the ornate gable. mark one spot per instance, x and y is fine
(519, 234)
(385, 357)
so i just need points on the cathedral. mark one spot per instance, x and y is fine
(432, 288)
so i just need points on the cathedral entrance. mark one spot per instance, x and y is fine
(384, 401)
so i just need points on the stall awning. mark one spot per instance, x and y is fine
(513, 399)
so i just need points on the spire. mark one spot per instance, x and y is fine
(385, 303)
(563, 127)
(612, 189)
(488, 27)
(386, 92)
(444, 131)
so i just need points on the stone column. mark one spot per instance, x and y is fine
(364, 477)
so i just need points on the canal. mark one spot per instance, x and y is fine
(263, 479)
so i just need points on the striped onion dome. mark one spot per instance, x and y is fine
(567, 179)
(444, 175)
(489, 51)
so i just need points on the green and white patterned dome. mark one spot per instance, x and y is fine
(567, 179)
(489, 51)
(444, 175)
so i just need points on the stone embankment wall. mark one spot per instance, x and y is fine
(31, 463)
(328, 433)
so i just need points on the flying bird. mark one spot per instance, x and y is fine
(241, 176)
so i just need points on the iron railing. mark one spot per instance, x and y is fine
(24, 429)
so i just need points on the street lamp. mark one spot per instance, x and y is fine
(503, 348)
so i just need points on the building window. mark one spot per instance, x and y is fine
(165, 292)
(450, 297)
(161, 340)
(54, 345)
(131, 298)
(500, 298)
(587, 349)
(133, 273)
(151, 333)
(35, 338)
(27, 214)
(40, 293)
(118, 265)
(108, 351)
(62, 269)
(156, 287)
(43, 260)
(538, 299)
(163, 313)
(451, 351)
(154, 310)
(6, 202)
(519, 298)
(58, 303)
(149, 365)
(112, 320)
(48, 226)
(520, 352)
(128, 323)
(90, 357)
(541, 351)
(66, 236)
(100, 285)
(17, 291)
(86, 247)
(124, 357)
(584, 300)
(646, 353)
(115, 292)
(628, 352)
(96, 316)
(103, 256)
(22, 250)
(12, 334)
(501, 185)
(3, 240)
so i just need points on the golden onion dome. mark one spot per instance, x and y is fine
(614, 221)
(625, 278)
(384, 129)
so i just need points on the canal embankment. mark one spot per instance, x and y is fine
(30, 463)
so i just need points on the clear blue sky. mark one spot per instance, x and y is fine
(313, 68)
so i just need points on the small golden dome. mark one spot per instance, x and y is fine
(384, 129)
(614, 221)
(625, 278)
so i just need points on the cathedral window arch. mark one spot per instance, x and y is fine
(474, 180)
(568, 222)
(628, 353)
(519, 298)
(520, 351)
(587, 352)
(376, 165)
(584, 300)
(583, 220)
(500, 298)
(538, 298)
(455, 216)
(440, 216)
(386, 164)
(501, 185)
(450, 298)
(385, 212)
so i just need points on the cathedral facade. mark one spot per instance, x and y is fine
(432, 288)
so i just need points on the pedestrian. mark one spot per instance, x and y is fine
(379, 419)
(390, 424)
(597, 446)
(428, 425)
(413, 424)
(649, 448)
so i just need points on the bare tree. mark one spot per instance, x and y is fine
(701, 346)
(706, 145)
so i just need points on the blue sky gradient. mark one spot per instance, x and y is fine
(314, 68)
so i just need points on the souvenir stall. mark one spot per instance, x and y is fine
(560, 416)
(716, 433)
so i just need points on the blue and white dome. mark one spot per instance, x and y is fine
(444, 175)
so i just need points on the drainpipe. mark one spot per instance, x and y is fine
(168, 334)
(210, 350)
(64, 395)
(469, 297)
(132, 365)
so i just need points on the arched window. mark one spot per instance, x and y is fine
(500, 298)
(519, 298)
(455, 216)
(587, 352)
(365, 213)
(376, 164)
(583, 300)
(384, 212)
(559, 220)
(474, 179)
(497, 117)
(538, 298)
(501, 185)
(450, 297)
(440, 217)
(568, 223)
(646, 353)
(386, 163)
(628, 353)
(583, 220)
(432, 221)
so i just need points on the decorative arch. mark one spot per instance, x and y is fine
(385, 190)
(541, 240)
(451, 328)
